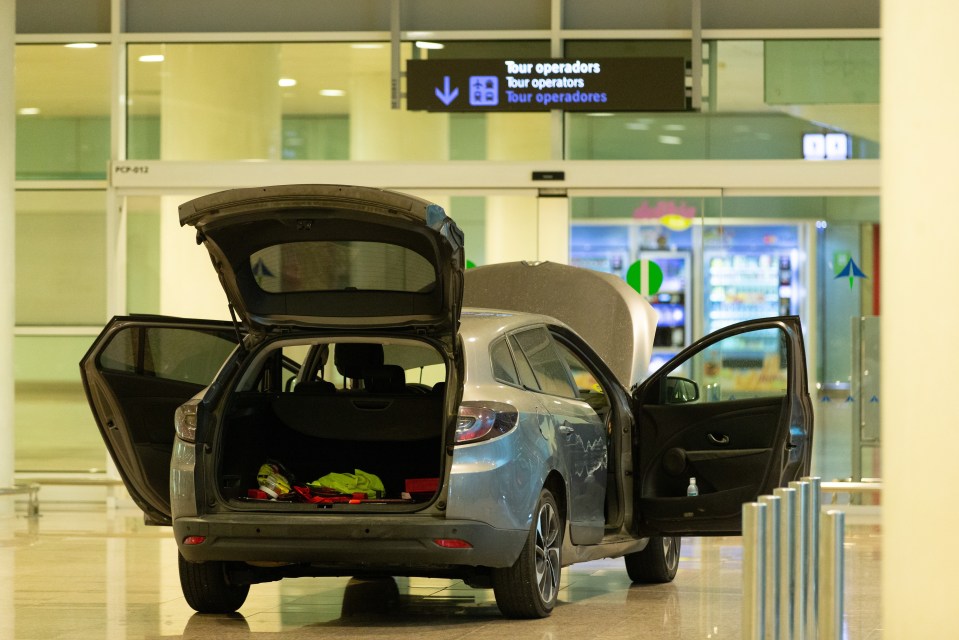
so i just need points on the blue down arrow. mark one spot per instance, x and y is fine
(446, 96)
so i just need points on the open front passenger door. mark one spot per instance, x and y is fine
(136, 374)
(732, 411)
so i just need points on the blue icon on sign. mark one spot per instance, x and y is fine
(484, 91)
(447, 95)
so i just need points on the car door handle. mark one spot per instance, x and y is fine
(720, 439)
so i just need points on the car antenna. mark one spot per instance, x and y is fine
(236, 326)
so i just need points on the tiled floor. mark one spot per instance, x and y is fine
(82, 572)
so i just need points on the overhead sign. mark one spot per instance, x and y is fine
(607, 84)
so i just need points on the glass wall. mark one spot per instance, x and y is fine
(331, 101)
(759, 99)
(308, 101)
(725, 259)
(63, 111)
(61, 274)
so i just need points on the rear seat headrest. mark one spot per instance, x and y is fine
(388, 378)
(357, 359)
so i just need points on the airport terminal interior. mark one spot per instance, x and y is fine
(756, 194)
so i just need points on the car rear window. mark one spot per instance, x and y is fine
(341, 266)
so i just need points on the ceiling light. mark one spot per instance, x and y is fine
(670, 140)
(81, 45)
(153, 57)
(367, 45)
(28, 111)
(423, 44)
(332, 93)
(600, 114)
(287, 82)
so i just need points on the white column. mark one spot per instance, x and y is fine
(518, 136)
(219, 102)
(7, 244)
(920, 305)
(553, 232)
(379, 132)
(511, 229)
(513, 222)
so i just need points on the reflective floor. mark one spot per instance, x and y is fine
(88, 572)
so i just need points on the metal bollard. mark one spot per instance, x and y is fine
(833, 557)
(802, 557)
(787, 563)
(754, 570)
(773, 566)
(812, 583)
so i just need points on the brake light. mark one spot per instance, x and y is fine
(184, 420)
(452, 543)
(480, 421)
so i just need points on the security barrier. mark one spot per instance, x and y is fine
(792, 566)
(32, 489)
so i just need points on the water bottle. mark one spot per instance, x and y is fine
(692, 490)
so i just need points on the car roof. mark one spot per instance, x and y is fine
(493, 322)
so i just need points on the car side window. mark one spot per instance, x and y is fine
(184, 355)
(747, 365)
(526, 376)
(550, 372)
(503, 368)
(587, 384)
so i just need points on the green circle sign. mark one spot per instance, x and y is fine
(645, 276)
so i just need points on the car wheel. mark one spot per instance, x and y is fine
(529, 588)
(656, 563)
(207, 587)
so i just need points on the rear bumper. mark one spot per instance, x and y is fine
(400, 544)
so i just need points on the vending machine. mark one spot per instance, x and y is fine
(673, 303)
(751, 272)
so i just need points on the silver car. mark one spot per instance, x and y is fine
(356, 419)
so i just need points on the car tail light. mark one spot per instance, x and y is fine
(185, 420)
(480, 421)
(192, 540)
(452, 543)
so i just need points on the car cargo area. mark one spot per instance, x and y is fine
(344, 413)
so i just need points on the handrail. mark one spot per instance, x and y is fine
(33, 499)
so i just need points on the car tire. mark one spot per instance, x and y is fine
(657, 563)
(207, 587)
(530, 587)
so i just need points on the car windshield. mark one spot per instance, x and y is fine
(341, 266)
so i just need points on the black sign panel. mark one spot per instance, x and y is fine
(607, 84)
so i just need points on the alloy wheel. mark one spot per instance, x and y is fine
(547, 552)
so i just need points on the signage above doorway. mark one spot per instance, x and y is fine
(607, 84)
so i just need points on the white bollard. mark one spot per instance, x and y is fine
(812, 582)
(773, 568)
(787, 563)
(802, 557)
(831, 593)
(754, 570)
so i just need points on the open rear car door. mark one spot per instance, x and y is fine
(732, 411)
(136, 374)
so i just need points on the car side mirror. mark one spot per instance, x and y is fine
(681, 390)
